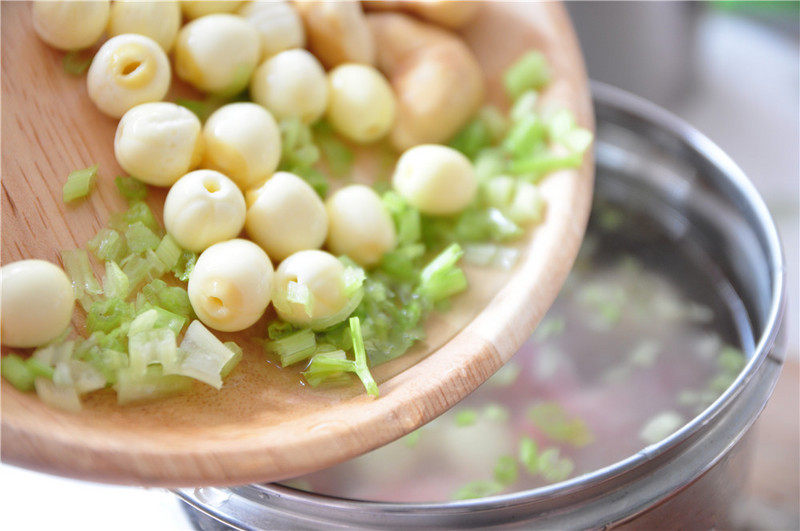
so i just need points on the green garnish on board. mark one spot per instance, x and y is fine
(79, 184)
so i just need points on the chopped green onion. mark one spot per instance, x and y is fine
(65, 398)
(294, 347)
(17, 372)
(115, 284)
(75, 64)
(505, 470)
(206, 356)
(361, 368)
(108, 245)
(478, 489)
(130, 188)
(76, 263)
(529, 454)
(79, 184)
(531, 71)
(553, 421)
(441, 278)
(466, 417)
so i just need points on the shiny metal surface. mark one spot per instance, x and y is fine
(647, 159)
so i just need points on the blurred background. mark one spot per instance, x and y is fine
(731, 69)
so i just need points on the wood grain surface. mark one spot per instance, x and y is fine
(264, 424)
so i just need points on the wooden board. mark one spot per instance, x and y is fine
(264, 425)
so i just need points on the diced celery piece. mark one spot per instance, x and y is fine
(406, 218)
(527, 206)
(441, 278)
(156, 346)
(559, 124)
(327, 365)
(338, 156)
(466, 417)
(472, 138)
(294, 347)
(39, 369)
(488, 163)
(526, 137)
(360, 364)
(315, 178)
(79, 375)
(531, 71)
(234, 361)
(55, 352)
(185, 265)
(505, 470)
(146, 320)
(553, 467)
(279, 329)
(130, 188)
(76, 263)
(202, 109)
(14, 369)
(544, 163)
(529, 454)
(108, 245)
(176, 300)
(578, 140)
(478, 489)
(205, 356)
(169, 252)
(551, 418)
(65, 398)
(499, 191)
(134, 387)
(169, 320)
(298, 293)
(137, 211)
(107, 314)
(496, 122)
(79, 184)
(107, 361)
(401, 262)
(140, 238)
(115, 283)
(524, 106)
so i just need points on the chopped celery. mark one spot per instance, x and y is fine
(143, 322)
(169, 252)
(326, 366)
(478, 489)
(559, 124)
(490, 254)
(55, 352)
(354, 278)
(75, 64)
(531, 71)
(498, 191)
(137, 211)
(526, 137)
(294, 347)
(79, 375)
(140, 238)
(107, 314)
(401, 262)
(361, 368)
(316, 179)
(553, 421)
(406, 218)
(466, 417)
(540, 164)
(150, 347)
(206, 357)
(524, 106)
(169, 320)
(107, 361)
(238, 353)
(279, 329)
(183, 269)
(201, 109)
(130, 188)
(298, 293)
(79, 270)
(731, 360)
(176, 300)
(553, 467)
(496, 413)
(412, 439)
(108, 245)
(529, 454)
(496, 122)
(17, 372)
(441, 278)
(79, 184)
(134, 387)
(115, 283)
(472, 138)
(39, 369)
(65, 398)
(488, 163)
(505, 470)
(527, 205)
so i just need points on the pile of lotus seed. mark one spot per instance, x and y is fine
(390, 77)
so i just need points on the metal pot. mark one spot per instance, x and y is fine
(648, 160)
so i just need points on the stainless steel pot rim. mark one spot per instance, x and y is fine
(705, 148)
